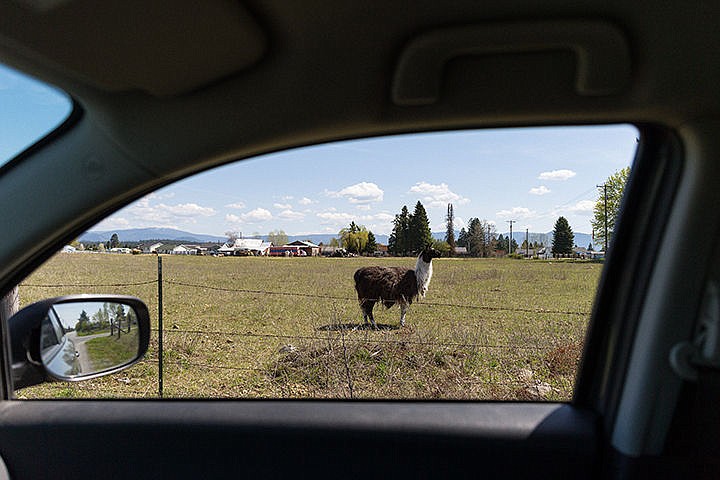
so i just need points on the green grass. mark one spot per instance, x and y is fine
(488, 328)
(111, 351)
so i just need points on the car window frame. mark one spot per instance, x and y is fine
(589, 365)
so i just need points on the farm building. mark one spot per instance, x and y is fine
(310, 249)
(189, 250)
(246, 246)
(287, 251)
(150, 248)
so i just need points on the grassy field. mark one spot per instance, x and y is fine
(291, 328)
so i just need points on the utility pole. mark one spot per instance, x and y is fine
(604, 187)
(527, 243)
(510, 239)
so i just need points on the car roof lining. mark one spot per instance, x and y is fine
(185, 44)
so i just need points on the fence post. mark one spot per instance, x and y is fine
(160, 328)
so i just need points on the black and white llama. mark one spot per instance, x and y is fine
(391, 285)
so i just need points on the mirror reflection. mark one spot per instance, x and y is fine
(88, 337)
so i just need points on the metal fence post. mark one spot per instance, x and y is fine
(160, 328)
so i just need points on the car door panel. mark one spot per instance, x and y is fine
(141, 439)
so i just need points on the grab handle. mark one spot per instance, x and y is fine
(602, 52)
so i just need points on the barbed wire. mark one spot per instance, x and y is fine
(356, 340)
(491, 308)
(330, 297)
(88, 285)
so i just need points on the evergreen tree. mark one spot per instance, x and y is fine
(114, 241)
(371, 244)
(563, 237)
(502, 243)
(450, 229)
(462, 238)
(420, 235)
(476, 238)
(83, 323)
(590, 247)
(398, 243)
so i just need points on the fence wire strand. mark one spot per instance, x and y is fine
(355, 340)
(330, 297)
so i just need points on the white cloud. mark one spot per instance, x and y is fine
(437, 195)
(382, 217)
(283, 206)
(256, 216)
(336, 217)
(583, 207)
(236, 206)
(516, 212)
(146, 213)
(305, 201)
(541, 190)
(291, 215)
(363, 192)
(112, 223)
(560, 175)
(187, 210)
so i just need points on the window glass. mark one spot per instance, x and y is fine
(29, 110)
(260, 261)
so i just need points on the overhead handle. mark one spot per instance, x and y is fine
(601, 49)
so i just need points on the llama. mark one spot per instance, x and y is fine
(391, 285)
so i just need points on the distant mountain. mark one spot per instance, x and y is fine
(143, 234)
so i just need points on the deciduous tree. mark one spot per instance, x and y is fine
(615, 186)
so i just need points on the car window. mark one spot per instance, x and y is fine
(446, 265)
(51, 333)
(29, 110)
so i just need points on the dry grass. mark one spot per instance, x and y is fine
(488, 329)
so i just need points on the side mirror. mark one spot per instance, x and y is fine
(77, 337)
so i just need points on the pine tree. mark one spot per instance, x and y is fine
(563, 238)
(502, 243)
(114, 241)
(450, 229)
(398, 241)
(476, 238)
(371, 245)
(462, 238)
(420, 235)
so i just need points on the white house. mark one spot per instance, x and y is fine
(245, 246)
(187, 250)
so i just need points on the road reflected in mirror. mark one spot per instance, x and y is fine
(82, 338)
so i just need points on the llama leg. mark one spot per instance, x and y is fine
(367, 308)
(403, 310)
(372, 320)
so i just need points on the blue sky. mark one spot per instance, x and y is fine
(530, 175)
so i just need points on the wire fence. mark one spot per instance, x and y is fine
(338, 335)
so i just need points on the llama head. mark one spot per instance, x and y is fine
(428, 254)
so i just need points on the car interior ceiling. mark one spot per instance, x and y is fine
(261, 76)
